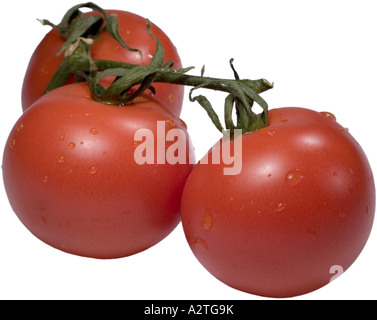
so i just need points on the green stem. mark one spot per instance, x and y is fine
(175, 77)
(75, 27)
(79, 60)
(242, 92)
(76, 63)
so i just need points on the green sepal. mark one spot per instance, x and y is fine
(112, 27)
(159, 55)
(204, 102)
(79, 28)
(75, 25)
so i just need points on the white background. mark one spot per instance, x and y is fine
(320, 55)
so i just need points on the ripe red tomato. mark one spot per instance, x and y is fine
(71, 177)
(303, 204)
(132, 28)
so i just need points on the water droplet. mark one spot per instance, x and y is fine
(71, 145)
(207, 220)
(266, 132)
(93, 170)
(62, 136)
(170, 98)
(61, 159)
(45, 179)
(280, 207)
(294, 177)
(328, 115)
(170, 122)
(20, 126)
(12, 142)
(93, 131)
(201, 243)
(43, 220)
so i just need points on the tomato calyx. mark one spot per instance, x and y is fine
(75, 24)
(80, 31)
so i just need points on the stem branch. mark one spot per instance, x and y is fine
(75, 27)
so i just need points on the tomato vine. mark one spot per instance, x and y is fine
(75, 27)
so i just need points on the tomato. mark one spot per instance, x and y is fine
(132, 28)
(71, 175)
(301, 207)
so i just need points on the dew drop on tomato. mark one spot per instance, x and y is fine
(12, 142)
(170, 122)
(207, 220)
(266, 132)
(200, 242)
(93, 131)
(20, 126)
(71, 145)
(61, 159)
(328, 115)
(280, 207)
(294, 177)
(93, 170)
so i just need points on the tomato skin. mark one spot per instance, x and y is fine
(71, 177)
(45, 62)
(303, 202)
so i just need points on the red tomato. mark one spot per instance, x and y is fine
(71, 177)
(302, 206)
(44, 61)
